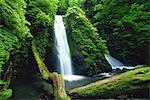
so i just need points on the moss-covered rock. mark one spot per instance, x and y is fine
(124, 84)
(87, 42)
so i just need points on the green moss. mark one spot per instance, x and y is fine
(43, 69)
(116, 85)
(40, 13)
(8, 44)
(12, 17)
(13, 33)
(87, 40)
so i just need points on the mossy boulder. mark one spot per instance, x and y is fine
(86, 42)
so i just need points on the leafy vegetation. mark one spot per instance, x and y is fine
(40, 13)
(13, 17)
(88, 7)
(5, 94)
(64, 4)
(8, 43)
(88, 42)
(13, 32)
(125, 25)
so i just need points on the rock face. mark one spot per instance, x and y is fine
(81, 66)
(131, 84)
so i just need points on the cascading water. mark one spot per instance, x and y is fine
(113, 62)
(61, 45)
(116, 63)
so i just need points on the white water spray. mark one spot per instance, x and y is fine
(117, 64)
(113, 62)
(61, 45)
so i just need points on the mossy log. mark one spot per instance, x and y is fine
(57, 79)
(125, 84)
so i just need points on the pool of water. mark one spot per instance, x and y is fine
(73, 81)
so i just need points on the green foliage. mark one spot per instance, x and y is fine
(5, 94)
(125, 25)
(88, 7)
(13, 32)
(77, 3)
(85, 36)
(8, 43)
(12, 17)
(64, 4)
(40, 13)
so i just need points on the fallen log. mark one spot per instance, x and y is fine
(57, 79)
(119, 86)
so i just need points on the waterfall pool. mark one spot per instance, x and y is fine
(73, 81)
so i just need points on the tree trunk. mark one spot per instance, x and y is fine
(132, 84)
(57, 79)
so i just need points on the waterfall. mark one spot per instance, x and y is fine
(62, 47)
(117, 64)
(114, 62)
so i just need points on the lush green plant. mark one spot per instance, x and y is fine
(88, 7)
(12, 17)
(125, 25)
(5, 94)
(40, 13)
(13, 32)
(64, 4)
(77, 3)
(88, 42)
(8, 43)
